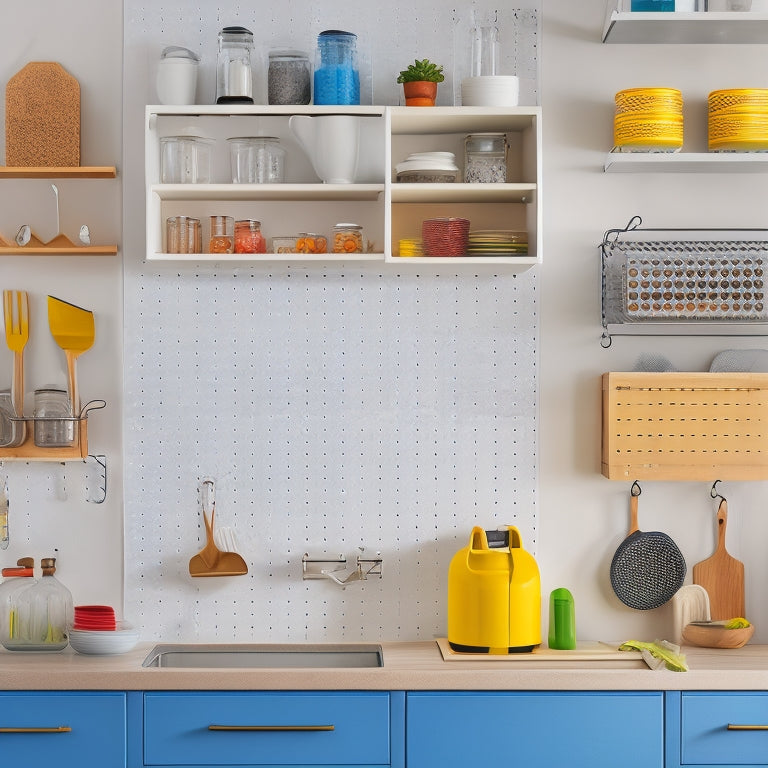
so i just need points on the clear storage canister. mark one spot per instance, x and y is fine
(54, 421)
(288, 77)
(234, 81)
(256, 160)
(337, 78)
(248, 237)
(485, 158)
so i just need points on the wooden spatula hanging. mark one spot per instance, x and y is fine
(722, 575)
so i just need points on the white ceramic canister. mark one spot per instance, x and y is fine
(177, 75)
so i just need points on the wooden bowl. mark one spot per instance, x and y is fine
(715, 635)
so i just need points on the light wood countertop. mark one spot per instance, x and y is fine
(407, 666)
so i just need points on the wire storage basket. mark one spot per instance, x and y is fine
(703, 283)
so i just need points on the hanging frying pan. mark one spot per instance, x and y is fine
(647, 568)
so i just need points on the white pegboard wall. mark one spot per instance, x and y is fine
(335, 407)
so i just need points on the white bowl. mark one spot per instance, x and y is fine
(490, 91)
(106, 643)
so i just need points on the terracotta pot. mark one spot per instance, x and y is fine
(420, 93)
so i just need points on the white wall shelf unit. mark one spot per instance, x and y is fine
(699, 27)
(387, 210)
(686, 162)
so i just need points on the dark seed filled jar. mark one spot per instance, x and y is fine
(288, 77)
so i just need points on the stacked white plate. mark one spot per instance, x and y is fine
(107, 643)
(490, 91)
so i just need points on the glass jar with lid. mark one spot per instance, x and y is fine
(256, 160)
(54, 420)
(485, 158)
(288, 77)
(337, 77)
(248, 237)
(234, 80)
(347, 238)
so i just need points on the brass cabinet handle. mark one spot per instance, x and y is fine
(270, 727)
(737, 727)
(55, 729)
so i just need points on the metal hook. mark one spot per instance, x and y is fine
(633, 223)
(208, 497)
(605, 340)
(635, 490)
(713, 492)
(102, 462)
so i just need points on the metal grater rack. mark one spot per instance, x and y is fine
(653, 286)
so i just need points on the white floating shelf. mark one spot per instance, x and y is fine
(686, 162)
(675, 28)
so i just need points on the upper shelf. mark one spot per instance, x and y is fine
(675, 28)
(686, 162)
(58, 172)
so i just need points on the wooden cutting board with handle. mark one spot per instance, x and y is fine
(722, 575)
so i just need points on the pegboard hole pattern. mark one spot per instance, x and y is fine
(335, 408)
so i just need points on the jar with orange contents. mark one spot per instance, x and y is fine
(248, 237)
(347, 238)
(311, 242)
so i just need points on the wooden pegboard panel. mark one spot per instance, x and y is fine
(42, 117)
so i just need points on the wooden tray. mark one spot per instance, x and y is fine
(586, 651)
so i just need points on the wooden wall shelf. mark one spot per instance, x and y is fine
(51, 172)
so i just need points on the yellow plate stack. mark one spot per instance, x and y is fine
(738, 120)
(648, 120)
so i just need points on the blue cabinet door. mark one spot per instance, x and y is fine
(531, 730)
(65, 730)
(244, 728)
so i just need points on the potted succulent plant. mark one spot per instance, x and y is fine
(420, 81)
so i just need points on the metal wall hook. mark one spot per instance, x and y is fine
(635, 490)
(713, 492)
(101, 463)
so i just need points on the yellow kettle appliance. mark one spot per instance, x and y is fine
(494, 595)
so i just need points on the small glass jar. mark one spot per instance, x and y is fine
(54, 422)
(183, 234)
(337, 78)
(222, 238)
(248, 237)
(234, 81)
(256, 160)
(485, 158)
(311, 242)
(347, 238)
(288, 77)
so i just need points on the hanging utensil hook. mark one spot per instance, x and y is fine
(209, 498)
(713, 492)
(635, 490)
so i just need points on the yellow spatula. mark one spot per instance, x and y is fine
(73, 329)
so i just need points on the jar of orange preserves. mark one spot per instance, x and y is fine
(347, 238)
(248, 237)
(311, 242)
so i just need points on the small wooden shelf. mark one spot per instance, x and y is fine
(28, 451)
(57, 172)
(82, 250)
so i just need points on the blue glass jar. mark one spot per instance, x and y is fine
(337, 78)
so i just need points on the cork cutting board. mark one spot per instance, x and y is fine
(42, 117)
(585, 651)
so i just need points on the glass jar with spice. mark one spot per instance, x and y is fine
(485, 158)
(288, 77)
(248, 237)
(222, 238)
(347, 238)
(311, 242)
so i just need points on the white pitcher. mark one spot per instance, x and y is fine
(331, 142)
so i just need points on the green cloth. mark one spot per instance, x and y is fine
(658, 653)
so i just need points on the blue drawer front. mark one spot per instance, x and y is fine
(706, 738)
(598, 730)
(177, 728)
(97, 735)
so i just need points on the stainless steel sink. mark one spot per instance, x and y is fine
(241, 656)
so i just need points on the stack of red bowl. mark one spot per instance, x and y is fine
(99, 618)
(445, 236)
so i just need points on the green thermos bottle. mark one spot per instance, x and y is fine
(562, 620)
